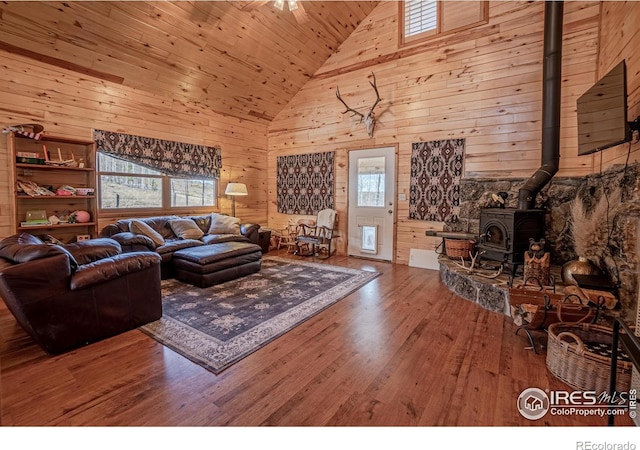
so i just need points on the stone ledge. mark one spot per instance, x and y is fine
(491, 294)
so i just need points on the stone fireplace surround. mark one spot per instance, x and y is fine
(555, 198)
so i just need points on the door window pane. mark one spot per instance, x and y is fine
(371, 181)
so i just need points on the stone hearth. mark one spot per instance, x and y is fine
(621, 265)
(490, 293)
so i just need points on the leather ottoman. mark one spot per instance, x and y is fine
(207, 265)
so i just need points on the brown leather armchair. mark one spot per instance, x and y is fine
(69, 296)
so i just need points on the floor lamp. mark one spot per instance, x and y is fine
(235, 189)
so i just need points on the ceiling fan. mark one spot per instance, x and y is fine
(294, 6)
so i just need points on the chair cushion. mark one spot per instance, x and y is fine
(139, 227)
(221, 224)
(185, 229)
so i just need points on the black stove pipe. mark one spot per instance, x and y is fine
(551, 83)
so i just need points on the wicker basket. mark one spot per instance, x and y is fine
(459, 248)
(569, 357)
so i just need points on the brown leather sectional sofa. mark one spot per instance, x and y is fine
(213, 258)
(72, 295)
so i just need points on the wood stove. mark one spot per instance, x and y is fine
(505, 233)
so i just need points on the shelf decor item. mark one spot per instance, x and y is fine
(580, 266)
(82, 216)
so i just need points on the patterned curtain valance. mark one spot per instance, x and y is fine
(169, 157)
(436, 169)
(305, 183)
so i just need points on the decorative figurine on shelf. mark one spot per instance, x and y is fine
(64, 216)
(537, 263)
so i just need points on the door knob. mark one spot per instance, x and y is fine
(391, 211)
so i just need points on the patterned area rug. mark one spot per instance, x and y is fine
(217, 326)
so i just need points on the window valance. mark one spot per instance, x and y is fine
(169, 157)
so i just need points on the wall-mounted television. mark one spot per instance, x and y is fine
(602, 113)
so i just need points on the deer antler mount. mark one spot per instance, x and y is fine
(370, 118)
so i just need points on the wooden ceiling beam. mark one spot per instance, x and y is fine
(60, 63)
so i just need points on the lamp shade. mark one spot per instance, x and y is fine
(236, 189)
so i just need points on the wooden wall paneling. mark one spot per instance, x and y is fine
(188, 51)
(483, 86)
(69, 105)
(459, 14)
(619, 38)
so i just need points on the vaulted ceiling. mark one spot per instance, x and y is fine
(244, 59)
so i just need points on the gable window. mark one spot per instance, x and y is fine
(422, 19)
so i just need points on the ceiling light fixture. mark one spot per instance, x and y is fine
(296, 8)
(279, 4)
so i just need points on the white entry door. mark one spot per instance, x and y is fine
(372, 174)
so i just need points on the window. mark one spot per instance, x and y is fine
(126, 185)
(371, 181)
(421, 19)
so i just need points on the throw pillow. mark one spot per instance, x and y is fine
(139, 227)
(185, 229)
(221, 224)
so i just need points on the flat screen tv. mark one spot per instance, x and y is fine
(602, 113)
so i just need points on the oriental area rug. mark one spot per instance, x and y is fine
(217, 326)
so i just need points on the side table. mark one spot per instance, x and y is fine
(264, 240)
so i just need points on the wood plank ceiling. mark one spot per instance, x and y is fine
(243, 59)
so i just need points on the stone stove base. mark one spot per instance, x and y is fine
(491, 294)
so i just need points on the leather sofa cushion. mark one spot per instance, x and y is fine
(209, 254)
(21, 238)
(110, 268)
(20, 249)
(219, 238)
(171, 245)
(86, 252)
(127, 238)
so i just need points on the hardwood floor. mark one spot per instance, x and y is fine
(401, 351)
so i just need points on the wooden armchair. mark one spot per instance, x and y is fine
(317, 238)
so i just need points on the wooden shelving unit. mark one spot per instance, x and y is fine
(54, 176)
